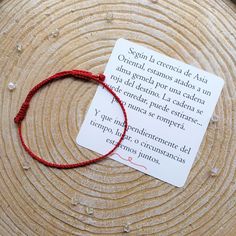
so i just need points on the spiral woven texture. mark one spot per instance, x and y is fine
(39, 38)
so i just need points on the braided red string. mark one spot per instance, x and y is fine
(61, 75)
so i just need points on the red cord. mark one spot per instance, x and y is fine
(61, 75)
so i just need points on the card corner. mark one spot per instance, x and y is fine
(77, 139)
(120, 40)
(180, 185)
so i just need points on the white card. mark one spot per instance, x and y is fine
(168, 103)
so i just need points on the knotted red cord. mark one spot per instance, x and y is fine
(80, 74)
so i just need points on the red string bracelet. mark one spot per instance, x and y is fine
(80, 74)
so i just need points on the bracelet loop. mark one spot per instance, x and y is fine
(81, 74)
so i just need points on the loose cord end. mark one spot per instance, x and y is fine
(101, 77)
